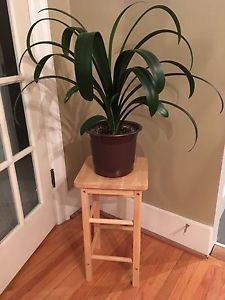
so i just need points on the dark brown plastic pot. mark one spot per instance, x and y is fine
(113, 155)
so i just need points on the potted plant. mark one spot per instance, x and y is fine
(113, 137)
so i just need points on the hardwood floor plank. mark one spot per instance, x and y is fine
(56, 270)
(110, 245)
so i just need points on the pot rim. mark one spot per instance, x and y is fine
(136, 125)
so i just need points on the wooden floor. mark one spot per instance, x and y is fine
(56, 271)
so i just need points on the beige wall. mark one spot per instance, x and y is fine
(182, 182)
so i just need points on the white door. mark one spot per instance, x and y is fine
(27, 211)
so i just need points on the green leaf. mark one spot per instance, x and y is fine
(155, 67)
(121, 64)
(152, 61)
(186, 72)
(28, 40)
(42, 43)
(146, 80)
(98, 88)
(70, 92)
(163, 7)
(158, 32)
(67, 35)
(218, 93)
(113, 31)
(207, 82)
(162, 110)
(43, 61)
(139, 100)
(91, 122)
(65, 13)
(189, 116)
(127, 113)
(84, 49)
(123, 101)
(90, 45)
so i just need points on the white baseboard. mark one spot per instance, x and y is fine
(197, 237)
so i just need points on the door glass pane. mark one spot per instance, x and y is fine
(7, 55)
(2, 154)
(27, 183)
(8, 217)
(15, 117)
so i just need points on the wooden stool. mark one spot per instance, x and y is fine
(131, 185)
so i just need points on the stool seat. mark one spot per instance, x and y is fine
(131, 185)
(136, 180)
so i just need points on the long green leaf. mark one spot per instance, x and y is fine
(139, 100)
(127, 88)
(42, 43)
(28, 40)
(99, 101)
(91, 122)
(155, 67)
(84, 49)
(143, 101)
(102, 65)
(43, 61)
(113, 31)
(123, 117)
(152, 61)
(163, 7)
(124, 100)
(158, 32)
(207, 82)
(186, 72)
(73, 90)
(189, 116)
(67, 35)
(65, 13)
(121, 64)
(98, 88)
(90, 45)
(147, 82)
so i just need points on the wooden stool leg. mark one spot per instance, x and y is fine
(97, 215)
(86, 234)
(137, 238)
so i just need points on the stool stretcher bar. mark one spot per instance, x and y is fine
(112, 258)
(110, 221)
(117, 227)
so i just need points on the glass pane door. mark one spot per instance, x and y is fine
(18, 188)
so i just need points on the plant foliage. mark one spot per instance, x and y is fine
(114, 87)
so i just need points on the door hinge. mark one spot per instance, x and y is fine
(52, 172)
